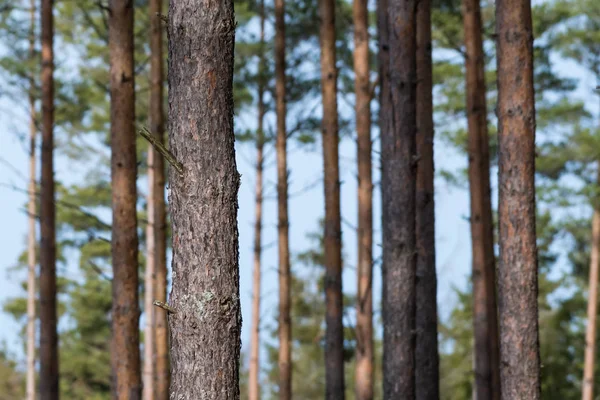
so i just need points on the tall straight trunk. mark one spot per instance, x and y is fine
(426, 353)
(31, 208)
(159, 221)
(285, 322)
(205, 328)
(148, 368)
(125, 353)
(592, 308)
(398, 182)
(254, 388)
(334, 335)
(485, 317)
(364, 305)
(48, 316)
(517, 269)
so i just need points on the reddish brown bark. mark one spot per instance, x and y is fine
(485, 320)
(205, 330)
(285, 322)
(48, 317)
(31, 208)
(125, 353)
(426, 353)
(254, 370)
(592, 310)
(517, 269)
(364, 305)
(334, 335)
(398, 183)
(159, 219)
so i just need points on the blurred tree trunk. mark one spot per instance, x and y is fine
(364, 304)
(485, 320)
(398, 184)
(32, 210)
(48, 316)
(254, 372)
(205, 330)
(285, 322)
(125, 352)
(517, 269)
(426, 353)
(334, 335)
(592, 307)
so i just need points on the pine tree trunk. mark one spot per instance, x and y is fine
(125, 353)
(148, 369)
(398, 184)
(485, 320)
(427, 357)
(364, 305)
(48, 316)
(31, 208)
(517, 269)
(161, 334)
(205, 330)
(592, 307)
(253, 386)
(285, 322)
(334, 335)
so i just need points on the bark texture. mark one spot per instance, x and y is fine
(254, 370)
(517, 269)
(159, 212)
(125, 353)
(426, 353)
(48, 317)
(205, 330)
(364, 305)
(334, 335)
(592, 310)
(485, 316)
(31, 208)
(398, 209)
(285, 322)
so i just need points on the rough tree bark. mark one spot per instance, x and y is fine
(364, 305)
(125, 353)
(592, 308)
(398, 182)
(157, 127)
(285, 322)
(48, 317)
(253, 386)
(517, 269)
(205, 330)
(31, 208)
(334, 335)
(426, 353)
(485, 317)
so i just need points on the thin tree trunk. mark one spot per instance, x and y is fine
(125, 353)
(285, 322)
(334, 335)
(485, 320)
(517, 269)
(157, 127)
(254, 387)
(364, 305)
(205, 330)
(149, 283)
(31, 238)
(48, 316)
(427, 357)
(399, 197)
(590, 331)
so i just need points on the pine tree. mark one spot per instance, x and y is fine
(205, 327)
